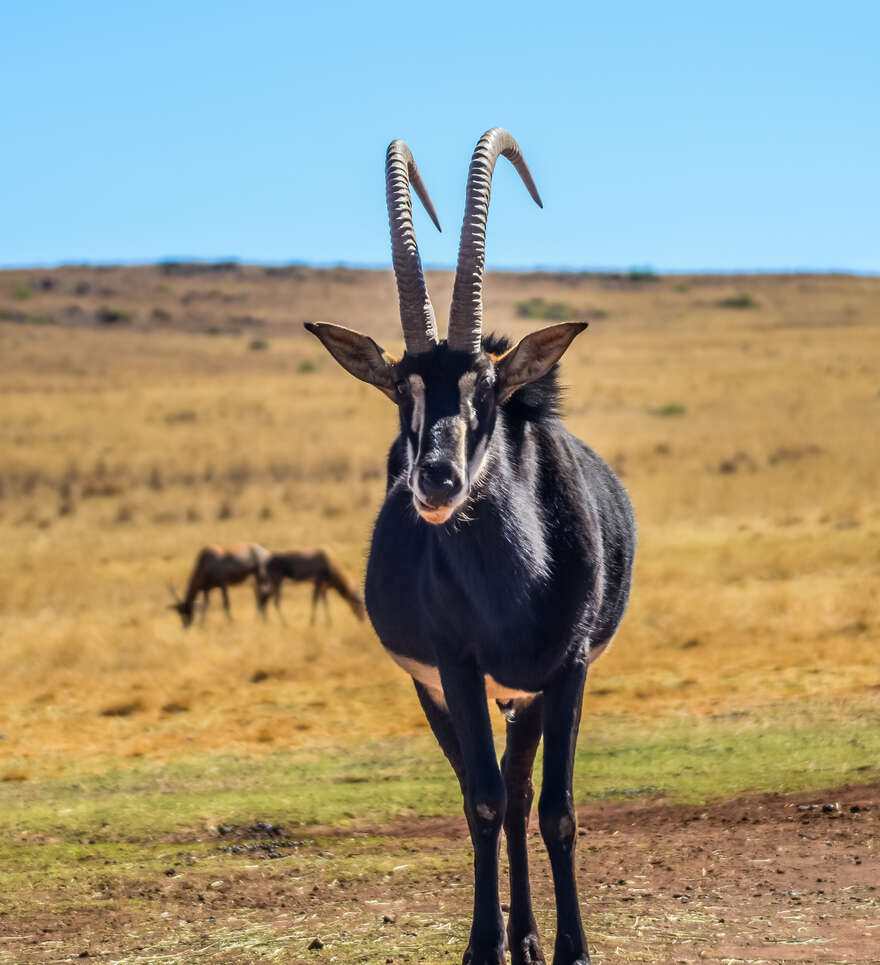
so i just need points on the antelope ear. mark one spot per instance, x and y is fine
(533, 357)
(357, 354)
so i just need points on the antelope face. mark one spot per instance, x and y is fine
(448, 402)
(185, 612)
(447, 405)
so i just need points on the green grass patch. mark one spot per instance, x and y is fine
(642, 275)
(182, 839)
(541, 308)
(740, 301)
(788, 747)
(669, 409)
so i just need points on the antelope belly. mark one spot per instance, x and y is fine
(430, 677)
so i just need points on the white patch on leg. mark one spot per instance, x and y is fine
(566, 827)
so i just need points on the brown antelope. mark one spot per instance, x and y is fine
(218, 567)
(318, 567)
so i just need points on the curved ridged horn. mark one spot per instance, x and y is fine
(416, 311)
(466, 313)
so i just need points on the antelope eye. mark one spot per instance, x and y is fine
(402, 388)
(484, 386)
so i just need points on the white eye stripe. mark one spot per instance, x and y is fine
(467, 385)
(417, 389)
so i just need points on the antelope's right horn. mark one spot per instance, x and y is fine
(416, 311)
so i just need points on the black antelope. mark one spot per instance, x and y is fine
(317, 567)
(218, 567)
(501, 559)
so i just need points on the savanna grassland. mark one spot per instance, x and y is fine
(150, 773)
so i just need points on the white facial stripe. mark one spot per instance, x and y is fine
(417, 420)
(417, 388)
(467, 385)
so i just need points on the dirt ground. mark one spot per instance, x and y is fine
(760, 879)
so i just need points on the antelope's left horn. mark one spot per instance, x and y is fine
(466, 312)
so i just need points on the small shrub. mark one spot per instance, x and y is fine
(68, 491)
(739, 461)
(793, 453)
(642, 275)
(112, 316)
(540, 308)
(175, 707)
(226, 510)
(124, 514)
(182, 415)
(167, 517)
(307, 366)
(21, 291)
(23, 318)
(258, 344)
(670, 409)
(239, 474)
(743, 300)
(193, 514)
(124, 708)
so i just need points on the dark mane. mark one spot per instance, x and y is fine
(534, 402)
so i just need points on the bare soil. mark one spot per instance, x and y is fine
(767, 879)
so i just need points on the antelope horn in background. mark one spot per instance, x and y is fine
(466, 313)
(174, 592)
(416, 311)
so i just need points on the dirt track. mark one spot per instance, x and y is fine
(759, 879)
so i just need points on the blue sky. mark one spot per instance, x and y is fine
(678, 135)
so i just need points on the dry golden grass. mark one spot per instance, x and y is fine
(746, 437)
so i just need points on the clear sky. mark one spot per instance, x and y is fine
(677, 135)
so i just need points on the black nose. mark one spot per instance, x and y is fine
(439, 483)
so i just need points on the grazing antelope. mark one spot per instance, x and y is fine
(320, 569)
(501, 559)
(218, 567)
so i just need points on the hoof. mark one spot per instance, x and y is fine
(491, 956)
(526, 951)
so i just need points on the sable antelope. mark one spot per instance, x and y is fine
(320, 569)
(218, 567)
(501, 559)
